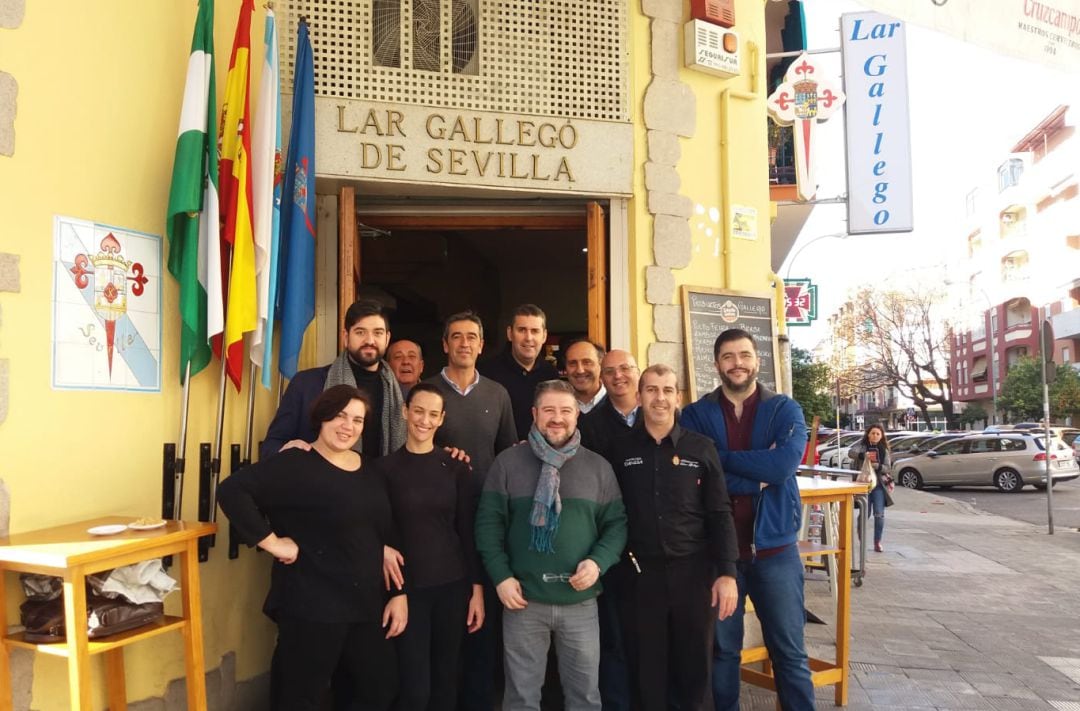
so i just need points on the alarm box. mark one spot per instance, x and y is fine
(718, 12)
(711, 49)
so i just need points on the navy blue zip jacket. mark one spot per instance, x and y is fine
(778, 442)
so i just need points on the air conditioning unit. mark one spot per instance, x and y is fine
(711, 49)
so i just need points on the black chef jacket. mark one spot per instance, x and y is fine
(676, 499)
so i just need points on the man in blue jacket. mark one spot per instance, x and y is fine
(760, 436)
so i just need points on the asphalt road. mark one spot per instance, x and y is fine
(1025, 505)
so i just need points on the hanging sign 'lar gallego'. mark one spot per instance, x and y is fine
(804, 99)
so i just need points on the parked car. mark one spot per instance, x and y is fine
(1007, 460)
(827, 452)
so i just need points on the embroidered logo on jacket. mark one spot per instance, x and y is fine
(633, 462)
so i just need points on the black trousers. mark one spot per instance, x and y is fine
(429, 649)
(307, 654)
(667, 626)
(481, 656)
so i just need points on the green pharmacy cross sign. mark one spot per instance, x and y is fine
(800, 302)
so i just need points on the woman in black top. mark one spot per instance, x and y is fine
(325, 521)
(434, 508)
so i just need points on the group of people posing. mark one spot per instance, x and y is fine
(421, 526)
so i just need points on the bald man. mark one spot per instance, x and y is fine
(616, 413)
(612, 417)
(406, 359)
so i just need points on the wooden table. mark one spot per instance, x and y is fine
(823, 672)
(71, 553)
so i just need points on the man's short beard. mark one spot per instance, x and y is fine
(730, 385)
(358, 358)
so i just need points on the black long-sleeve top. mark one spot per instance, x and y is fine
(520, 384)
(676, 500)
(434, 509)
(340, 521)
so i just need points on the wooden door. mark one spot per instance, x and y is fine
(596, 242)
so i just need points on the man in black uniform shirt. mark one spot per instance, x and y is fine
(679, 565)
(520, 367)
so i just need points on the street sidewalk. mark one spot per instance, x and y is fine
(963, 610)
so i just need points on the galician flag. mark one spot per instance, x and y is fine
(235, 170)
(296, 287)
(192, 222)
(266, 172)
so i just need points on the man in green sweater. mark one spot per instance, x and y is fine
(550, 522)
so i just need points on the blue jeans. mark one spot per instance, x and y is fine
(526, 637)
(775, 584)
(877, 507)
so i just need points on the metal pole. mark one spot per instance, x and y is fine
(250, 412)
(1043, 361)
(178, 476)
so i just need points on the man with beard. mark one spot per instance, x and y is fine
(679, 569)
(583, 371)
(760, 436)
(520, 367)
(406, 359)
(550, 521)
(364, 338)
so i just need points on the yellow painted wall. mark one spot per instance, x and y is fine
(699, 169)
(99, 91)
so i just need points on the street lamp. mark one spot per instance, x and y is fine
(992, 355)
(791, 260)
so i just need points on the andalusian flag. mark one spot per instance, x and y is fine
(192, 222)
(235, 169)
(296, 299)
(266, 173)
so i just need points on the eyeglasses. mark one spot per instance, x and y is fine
(624, 369)
(556, 577)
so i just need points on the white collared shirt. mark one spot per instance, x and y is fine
(468, 389)
(584, 407)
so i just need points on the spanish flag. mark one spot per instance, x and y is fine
(235, 177)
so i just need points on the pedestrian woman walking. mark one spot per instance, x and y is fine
(875, 447)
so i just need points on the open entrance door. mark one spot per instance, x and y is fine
(431, 262)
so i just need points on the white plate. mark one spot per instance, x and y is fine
(106, 530)
(145, 526)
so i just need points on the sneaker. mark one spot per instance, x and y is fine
(879, 548)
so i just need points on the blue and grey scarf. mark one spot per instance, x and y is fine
(546, 502)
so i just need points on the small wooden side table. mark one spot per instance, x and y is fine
(823, 672)
(71, 553)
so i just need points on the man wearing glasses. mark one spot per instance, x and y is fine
(550, 521)
(612, 416)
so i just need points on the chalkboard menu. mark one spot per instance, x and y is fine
(706, 314)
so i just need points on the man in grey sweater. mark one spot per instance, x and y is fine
(479, 420)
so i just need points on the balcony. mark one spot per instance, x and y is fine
(1067, 324)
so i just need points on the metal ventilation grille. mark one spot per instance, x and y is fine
(562, 58)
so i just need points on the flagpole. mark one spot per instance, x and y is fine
(250, 412)
(178, 475)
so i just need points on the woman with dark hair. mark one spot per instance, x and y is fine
(875, 447)
(434, 508)
(325, 520)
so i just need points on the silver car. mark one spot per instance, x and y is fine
(1007, 460)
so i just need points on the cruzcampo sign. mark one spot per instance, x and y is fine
(800, 302)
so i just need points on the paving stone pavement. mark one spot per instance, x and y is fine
(963, 610)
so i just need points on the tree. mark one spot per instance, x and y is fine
(902, 338)
(1022, 396)
(810, 386)
(973, 413)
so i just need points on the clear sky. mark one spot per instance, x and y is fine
(968, 107)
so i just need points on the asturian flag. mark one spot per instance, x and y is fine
(266, 174)
(235, 170)
(296, 299)
(192, 222)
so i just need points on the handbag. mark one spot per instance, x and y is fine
(866, 475)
